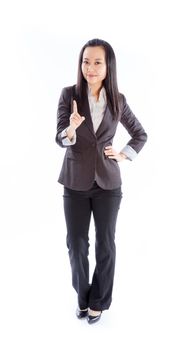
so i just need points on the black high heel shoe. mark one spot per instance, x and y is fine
(92, 319)
(81, 313)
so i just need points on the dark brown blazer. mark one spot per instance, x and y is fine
(85, 161)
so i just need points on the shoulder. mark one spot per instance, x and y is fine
(66, 96)
(68, 91)
(122, 100)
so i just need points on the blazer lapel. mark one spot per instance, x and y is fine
(84, 111)
(105, 122)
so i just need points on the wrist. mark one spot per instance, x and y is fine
(123, 155)
(71, 129)
(70, 132)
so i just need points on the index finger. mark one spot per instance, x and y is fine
(75, 109)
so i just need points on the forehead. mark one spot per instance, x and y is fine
(94, 52)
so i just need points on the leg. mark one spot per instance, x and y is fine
(105, 207)
(77, 210)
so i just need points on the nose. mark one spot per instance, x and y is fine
(90, 67)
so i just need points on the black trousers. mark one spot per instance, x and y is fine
(78, 207)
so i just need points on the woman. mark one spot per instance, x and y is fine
(88, 115)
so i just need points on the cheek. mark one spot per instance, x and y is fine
(104, 73)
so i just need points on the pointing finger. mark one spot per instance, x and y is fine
(75, 109)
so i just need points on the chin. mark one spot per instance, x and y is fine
(92, 81)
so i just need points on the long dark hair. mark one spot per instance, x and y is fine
(110, 82)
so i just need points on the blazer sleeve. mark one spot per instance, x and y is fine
(133, 127)
(63, 114)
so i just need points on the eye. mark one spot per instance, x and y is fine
(97, 62)
(85, 62)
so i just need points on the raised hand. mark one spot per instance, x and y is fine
(75, 119)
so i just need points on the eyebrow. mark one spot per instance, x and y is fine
(96, 59)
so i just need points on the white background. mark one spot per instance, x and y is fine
(40, 43)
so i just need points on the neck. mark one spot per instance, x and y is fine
(95, 90)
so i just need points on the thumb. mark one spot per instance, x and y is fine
(83, 118)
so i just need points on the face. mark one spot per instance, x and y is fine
(94, 66)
